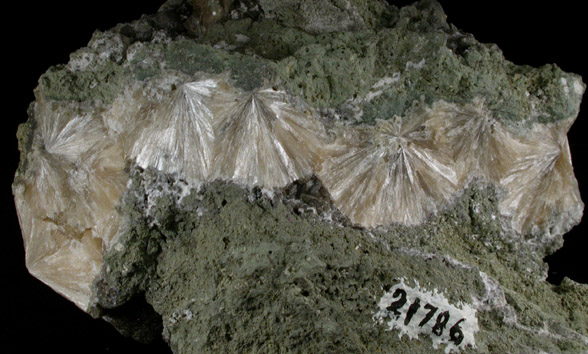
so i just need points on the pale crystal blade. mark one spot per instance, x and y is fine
(259, 142)
(71, 269)
(541, 183)
(482, 147)
(178, 135)
(395, 172)
(67, 131)
(123, 117)
(60, 256)
(74, 178)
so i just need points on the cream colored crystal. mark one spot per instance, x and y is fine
(540, 182)
(66, 199)
(178, 136)
(399, 171)
(206, 130)
(534, 167)
(263, 140)
(481, 146)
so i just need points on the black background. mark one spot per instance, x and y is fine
(38, 34)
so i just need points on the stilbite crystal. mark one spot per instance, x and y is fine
(398, 171)
(258, 188)
(66, 198)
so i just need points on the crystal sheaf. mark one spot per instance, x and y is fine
(402, 170)
(398, 171)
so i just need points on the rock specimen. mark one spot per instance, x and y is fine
(306, 176)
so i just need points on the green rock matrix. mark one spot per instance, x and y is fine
(221, 268)
(424, 58)
(234, 270)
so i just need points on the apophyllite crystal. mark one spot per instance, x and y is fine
(278, 197)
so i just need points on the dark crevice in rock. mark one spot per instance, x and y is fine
(310, 195)
(135, 319)
(569, 261)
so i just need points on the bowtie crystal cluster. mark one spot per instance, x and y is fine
(401, 170)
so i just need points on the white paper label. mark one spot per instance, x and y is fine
(417, 312)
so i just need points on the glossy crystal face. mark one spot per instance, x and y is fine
(402, 170)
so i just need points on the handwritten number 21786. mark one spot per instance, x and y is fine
(455, 333)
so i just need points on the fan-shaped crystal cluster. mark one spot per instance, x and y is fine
(400, 170)
(404, 169)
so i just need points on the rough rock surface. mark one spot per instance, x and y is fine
(278, 254)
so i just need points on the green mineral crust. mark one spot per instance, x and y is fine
(299, 176)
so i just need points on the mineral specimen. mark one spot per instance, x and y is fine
(305, 176)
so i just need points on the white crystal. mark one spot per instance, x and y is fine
(396, 172)
(402, 170)
(66, 204)
(178, 136)
(263, 140)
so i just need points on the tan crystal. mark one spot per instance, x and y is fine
(66, 201)
(178, 137)
(401, 170)
(265, 141)
(534, 169)
(541, 180)
(396, 172)
(481, 146)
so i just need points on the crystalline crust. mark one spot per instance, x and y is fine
(400, 170)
